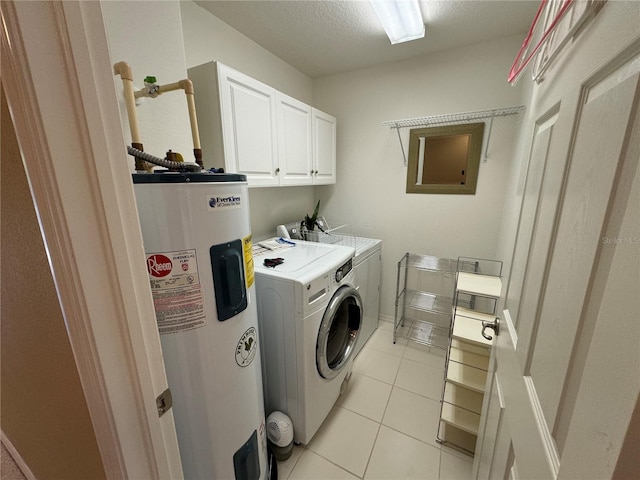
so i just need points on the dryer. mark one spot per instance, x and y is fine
(367, 265)
(309, 315)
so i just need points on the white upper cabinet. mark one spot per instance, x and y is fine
(324, 148)
(294, 141)
(250, 128)
(248, 114)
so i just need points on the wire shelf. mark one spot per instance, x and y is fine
(424, 333)
(430, 263)
(428, 302)
(453, 117)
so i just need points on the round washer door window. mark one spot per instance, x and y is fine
(338, 332)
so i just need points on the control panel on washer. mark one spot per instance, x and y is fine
(343, 271)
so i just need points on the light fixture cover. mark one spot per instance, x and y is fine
(401, 19)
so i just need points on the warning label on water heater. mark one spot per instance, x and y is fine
(177, 292)
(248, 260)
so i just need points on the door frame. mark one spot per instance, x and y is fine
(63, 102)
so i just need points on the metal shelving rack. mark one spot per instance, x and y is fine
(425, 316)
(422, 316)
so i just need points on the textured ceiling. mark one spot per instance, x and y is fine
(333, 36)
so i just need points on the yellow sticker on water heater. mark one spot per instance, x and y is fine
(248, 260)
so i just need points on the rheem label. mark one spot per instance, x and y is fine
(159, 265)
(177, 292)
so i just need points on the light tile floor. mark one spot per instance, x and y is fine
(384, 426)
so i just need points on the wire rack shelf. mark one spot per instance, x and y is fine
(452, 118)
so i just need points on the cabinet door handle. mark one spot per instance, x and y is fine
(495, 326)
(277, 171)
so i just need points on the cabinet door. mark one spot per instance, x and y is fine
(294, 141)
(324, 148)
(248, 111)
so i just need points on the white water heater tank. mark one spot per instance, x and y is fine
(197, 239)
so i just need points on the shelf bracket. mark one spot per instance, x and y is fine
(486, 145)
(404, 155)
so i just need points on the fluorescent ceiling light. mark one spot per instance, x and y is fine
(401, 19)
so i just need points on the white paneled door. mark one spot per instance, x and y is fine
(565, 365)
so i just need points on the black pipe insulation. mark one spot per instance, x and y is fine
(163, 162)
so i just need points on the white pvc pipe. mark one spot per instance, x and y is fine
(194, 120)
(124, 70)
(187, 86)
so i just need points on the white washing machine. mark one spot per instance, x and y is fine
(309, 315)
(367, 265)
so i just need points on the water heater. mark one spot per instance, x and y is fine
(197, 239)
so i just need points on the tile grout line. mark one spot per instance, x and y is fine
(304, 447)
(366, 467)
(335, 464)
(374, 443)
(379, 427)
(416, 393)
(439, 447)
(404, 351)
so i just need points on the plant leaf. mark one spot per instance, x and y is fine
(310, 222)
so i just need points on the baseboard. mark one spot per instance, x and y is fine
(16, 457)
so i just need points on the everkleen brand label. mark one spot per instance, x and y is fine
(224, 202)
(177, 292)
(248, 260)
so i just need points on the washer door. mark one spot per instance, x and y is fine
(339, 331)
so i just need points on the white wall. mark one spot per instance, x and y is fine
(207, 38)
(515, 188)
(370, 192)
(150, 41)
(154, 41)
(371, 174)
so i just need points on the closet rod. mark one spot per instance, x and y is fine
(452, 118)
